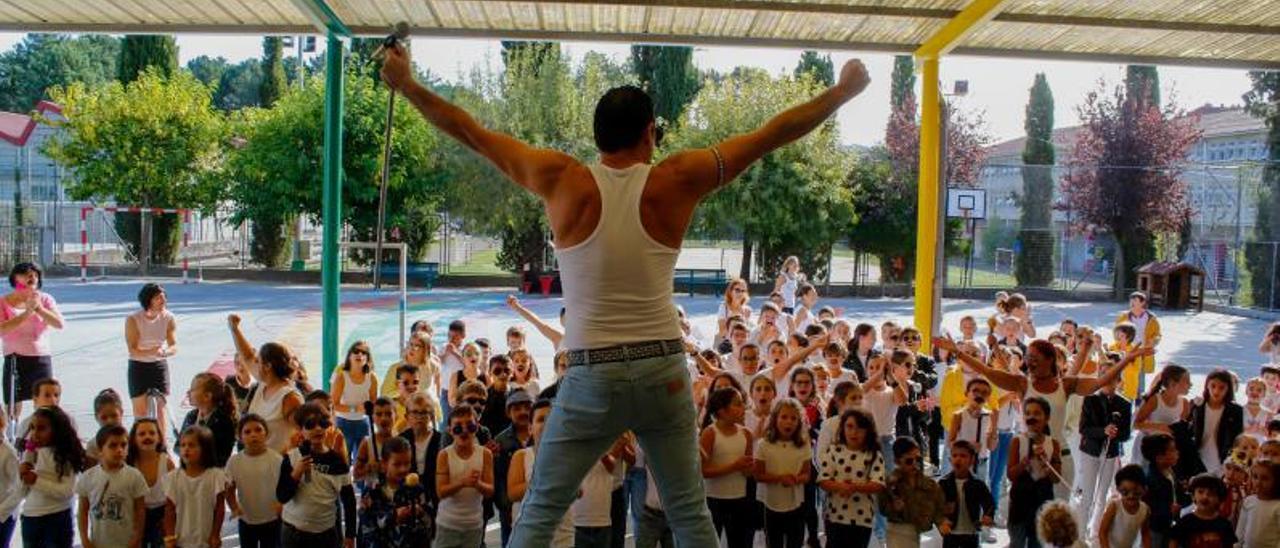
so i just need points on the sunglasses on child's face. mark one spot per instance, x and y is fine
(469, 428)
(474, 401)
(499, 371)
(910, 461)
(320, 423)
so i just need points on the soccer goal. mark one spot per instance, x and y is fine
(102, 245)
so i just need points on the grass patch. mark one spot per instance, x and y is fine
(482, 263)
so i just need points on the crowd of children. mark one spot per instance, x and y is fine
(814, 431)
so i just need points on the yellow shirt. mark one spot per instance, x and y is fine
(1130, 375)
(952, 397)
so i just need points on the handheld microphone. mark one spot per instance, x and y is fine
(1116, 418)
(304, 449)
(400, 34)
(373, 432)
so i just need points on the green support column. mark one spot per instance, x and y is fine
(332, 205)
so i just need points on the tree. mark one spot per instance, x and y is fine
(1263, 101)
(277, 172)
(793, 201)
(208, 70)
(240, 86)
(1124, 174)
(886, 189)
(41, 61)
(273, 80)
(818, 67)
(141, 51)
(539, 99)
(668, 75)
(155, 142)
(902, 81)
(1035, 257)
(1142, 84)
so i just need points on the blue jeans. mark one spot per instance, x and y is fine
(997, 462)
(653, 530)
(49, 531)
(6, 530)
(444, 409)
(596, 404)
(636, 485)
(353, 431)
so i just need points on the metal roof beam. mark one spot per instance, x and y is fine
(323, 17)
(946, 38)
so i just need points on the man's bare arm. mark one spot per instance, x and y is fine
(704, 172)
(536, 169)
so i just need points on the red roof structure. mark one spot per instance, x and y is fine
(17, 128)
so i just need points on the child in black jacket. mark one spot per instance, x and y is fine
(969, 505)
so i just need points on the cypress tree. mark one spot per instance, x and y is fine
(903, 81)
(273, 79)
(668, 75)
(1035, 259)
(1264, 102)
(817, 66)
(139, 51)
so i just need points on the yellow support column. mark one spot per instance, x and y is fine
(927, 206)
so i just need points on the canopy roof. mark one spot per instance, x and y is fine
(1238, 33)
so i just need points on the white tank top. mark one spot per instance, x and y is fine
(464, 510)
(1125, 527)
(617, 283)
(354, 395)
(789, 286)
(152, 333)
(1057, 409)
(270, 408)
(725, 450)
(155, 496)
(975, 433)
(1166, 414)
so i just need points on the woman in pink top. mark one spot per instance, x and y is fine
(26, 314)
(150, 335)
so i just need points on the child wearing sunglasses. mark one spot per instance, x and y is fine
(315, 482)
(464, 478)
(474, 395)
(911, 502)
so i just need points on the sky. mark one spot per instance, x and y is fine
(997, 87)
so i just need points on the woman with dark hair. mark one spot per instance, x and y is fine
(275, 396)
(354, 384)
(862, 347)
(1045, 380)
(1216, 420)
(151, 336)
(26, 314)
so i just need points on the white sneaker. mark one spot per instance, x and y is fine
(988, 536)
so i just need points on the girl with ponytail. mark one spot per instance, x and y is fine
(215, 409)
(1163, 404)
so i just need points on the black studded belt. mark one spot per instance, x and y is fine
(625, 352)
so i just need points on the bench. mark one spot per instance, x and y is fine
(423, 274)
(693, 278)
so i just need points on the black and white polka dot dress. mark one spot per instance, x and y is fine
(839, 463)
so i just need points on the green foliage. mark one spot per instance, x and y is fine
(240, 86)
(278, 170)
(1142, 83)
(819, 67)
(668, 75)
(41, 61)
(208, 70)
(903, 81)
(1037, 189)
(539, 99)
(1263, 101)
(155, 142)
(273, 80)
(138, 52)
(793, 201)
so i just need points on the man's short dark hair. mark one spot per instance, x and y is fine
(622, 116)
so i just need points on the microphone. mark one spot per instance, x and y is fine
(304, 449)
(373, 432)
(1116, 418)
(400, 33)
